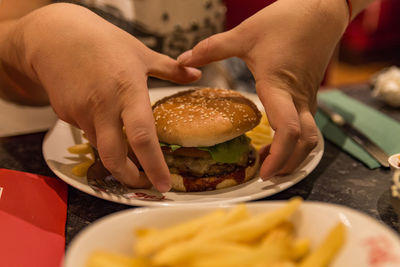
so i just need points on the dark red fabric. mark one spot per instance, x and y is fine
(33, 210)
(376, 28)
(239, 10)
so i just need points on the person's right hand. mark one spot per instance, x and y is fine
(95, 76)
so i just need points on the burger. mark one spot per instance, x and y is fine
(202, 136)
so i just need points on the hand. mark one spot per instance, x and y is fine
(287, 47)
(95, 76)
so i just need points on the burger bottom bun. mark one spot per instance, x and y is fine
(194, 184)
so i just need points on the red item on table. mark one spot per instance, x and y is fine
(239, 10)
(33, 211)
(375, 30)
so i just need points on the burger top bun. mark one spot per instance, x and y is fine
(204, 117)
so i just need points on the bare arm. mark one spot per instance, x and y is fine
(15, 85)
(94, 75)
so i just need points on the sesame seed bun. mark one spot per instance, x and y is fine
(204, 117)
(184, 183)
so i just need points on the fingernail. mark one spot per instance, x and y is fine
(184, 58)
(164, 187)
(193, 71)
(266, 177)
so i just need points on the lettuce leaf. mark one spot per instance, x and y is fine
(172, 147)
(230, 151)
(227, 152)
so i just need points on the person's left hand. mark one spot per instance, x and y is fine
(287, 47)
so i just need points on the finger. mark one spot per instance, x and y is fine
(141, 133)
(83, 122)
(166, 68)
(113, 150)
(283, 117)
(306, 143)
(264, 152)
(144, 182)
(214, 48)
(86, 124)
(89, 132)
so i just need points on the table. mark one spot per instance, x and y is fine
(338, 178)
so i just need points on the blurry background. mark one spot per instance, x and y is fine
(371, 42)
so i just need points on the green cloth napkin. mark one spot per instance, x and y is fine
(381, 129)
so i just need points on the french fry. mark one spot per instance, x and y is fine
(279, 264)
(237, 214)
(109, 259)
(300, 248)
(324, 253)
(81, 169)
(258, 135)
(285, 228)
(236, 260)
(143, 232)
(262, 134)
(185, 253)
(150, 243)
(275, 248)
(253, 228)
(84, 148)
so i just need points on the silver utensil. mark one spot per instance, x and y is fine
(101, 180)
(360, 138)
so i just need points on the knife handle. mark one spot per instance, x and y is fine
(334, 116)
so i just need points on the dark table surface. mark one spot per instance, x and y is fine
(338, 178)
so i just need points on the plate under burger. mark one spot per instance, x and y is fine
(61, 162)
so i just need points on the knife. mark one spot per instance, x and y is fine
(372, 148)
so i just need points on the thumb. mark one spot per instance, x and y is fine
(217, 47)
(166, 68)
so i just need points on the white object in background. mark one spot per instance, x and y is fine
(16, 119)
(387, 86)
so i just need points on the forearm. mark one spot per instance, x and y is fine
(17, 82)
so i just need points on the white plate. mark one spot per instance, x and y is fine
(394, 161)
(369, 243)
(60, 161)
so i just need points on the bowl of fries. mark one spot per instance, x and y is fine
(275, 233)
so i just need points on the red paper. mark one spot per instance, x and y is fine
(33, 211)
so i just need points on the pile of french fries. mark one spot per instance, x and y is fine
(228, 238)
(262, 134)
